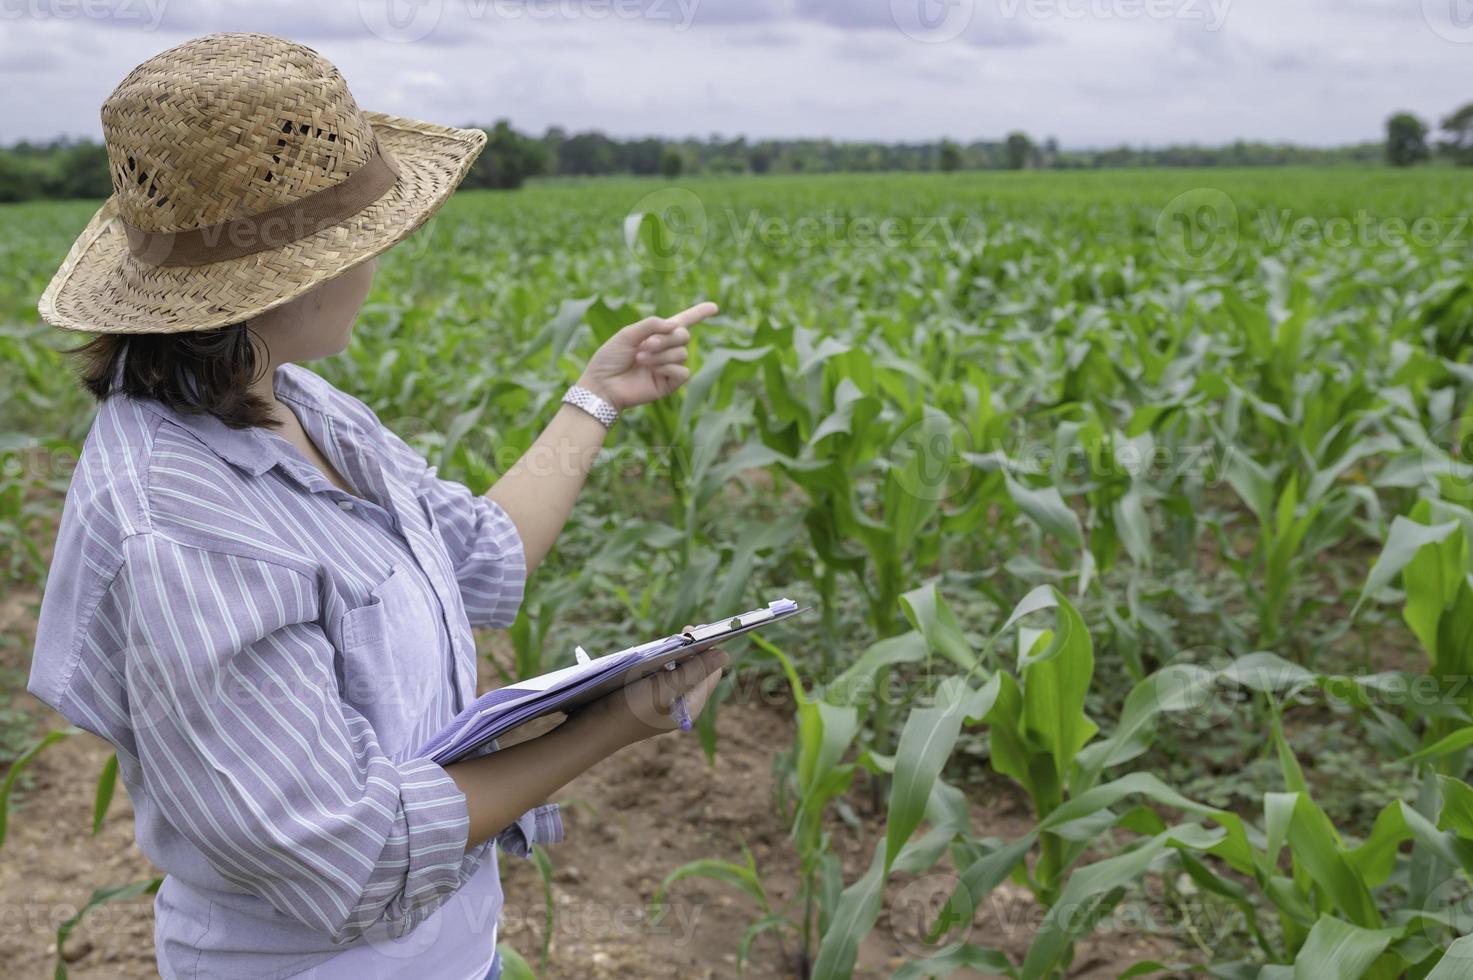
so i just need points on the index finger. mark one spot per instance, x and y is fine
(695, 314)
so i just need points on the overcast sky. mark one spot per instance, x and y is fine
(1089, 72)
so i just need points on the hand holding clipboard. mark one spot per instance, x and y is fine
(593, 679)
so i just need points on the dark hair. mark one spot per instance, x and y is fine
(208, 371)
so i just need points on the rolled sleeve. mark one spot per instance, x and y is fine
(539, 825)
(255, 759)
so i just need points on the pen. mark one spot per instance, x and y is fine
(678, 710)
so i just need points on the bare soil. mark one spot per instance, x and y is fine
(629, 823)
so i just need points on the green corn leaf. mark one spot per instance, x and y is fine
(1457, 807)
(978, 880)
(913, 490)
(767, 923)
(949, 816)
(933, 618)
(1045, 507)
(853, 410)
(741, 877)
(107, 781)
(1405, 539)
(945, 962)
(852, 920)
(1147, 968)
(513, 966)
(1288, 762)
(1177, 688)
(554, 338)
(1447, 745)
(102, 896)
(19, 765)
(1010, 755)
(1375, 858)
(1054, 688)
(1338, 950)
(1456, 963)
(727, 365)
(1278, 813)
(1317, 847)
(1096, 887)
(549, 906)
(1253, 483)
(1234, 848)
(1040, 598)
(1134, 526)
(926, 742)
(855, 686)
(1268, 673)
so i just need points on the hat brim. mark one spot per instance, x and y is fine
(101, 288)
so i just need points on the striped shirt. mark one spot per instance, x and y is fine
(267, 653)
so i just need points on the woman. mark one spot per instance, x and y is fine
(262, 596)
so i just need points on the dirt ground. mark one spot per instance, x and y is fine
(646, 811)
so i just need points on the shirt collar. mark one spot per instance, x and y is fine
(254, 449)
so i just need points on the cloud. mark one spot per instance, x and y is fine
(1091, 72)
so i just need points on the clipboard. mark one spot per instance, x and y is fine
(561, 691)
(700, 639)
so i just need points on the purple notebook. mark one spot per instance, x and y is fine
(497, 712)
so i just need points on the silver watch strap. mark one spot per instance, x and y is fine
(581, 397)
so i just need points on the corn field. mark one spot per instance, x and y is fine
(1141, 495)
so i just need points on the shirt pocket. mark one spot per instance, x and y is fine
(392, 659)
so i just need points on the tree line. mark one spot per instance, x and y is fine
(68, 168)
(1408, 142)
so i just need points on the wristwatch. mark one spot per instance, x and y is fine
(580, 397)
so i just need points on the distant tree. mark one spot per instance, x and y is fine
(508, 160)
(20, 178)
(66, 168)
(1019, 150)
(1406, 140)
(586, 154)
(951, 157)
(1459, 130)
(643, 157)
(1050, 154)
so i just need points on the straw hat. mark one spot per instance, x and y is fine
(244, 174)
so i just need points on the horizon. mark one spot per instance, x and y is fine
(1037, 138)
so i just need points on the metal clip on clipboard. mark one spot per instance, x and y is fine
(728, 625)
(678, 709)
